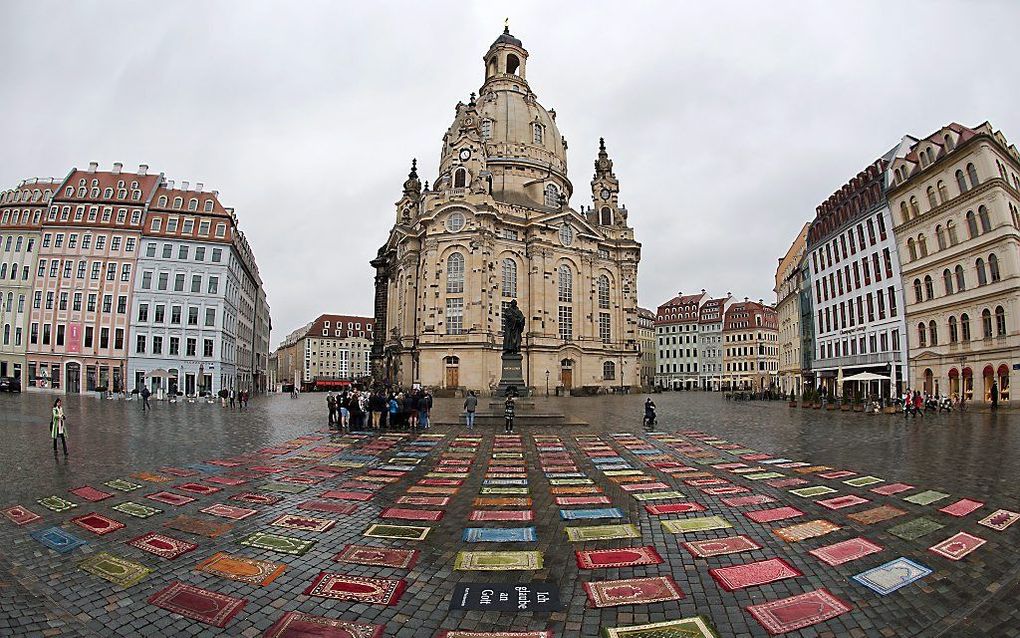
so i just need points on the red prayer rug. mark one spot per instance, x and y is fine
(227, 481)
(307, 523)
(839, 502)
(786, 482)
(198, 604)
(892, 488)
(744, 501)
(838, 474)
(328, 506)
(643, 486)
(90, 493)
(620, 557)
(162, 545)
(296, 624)
(775, 514)
(170, 498)
(502, 515)
(796, 612)
(999, 520)
(722, 491)
(845, 551)
(346, 495)
(431, 501)
(408, 514)
(177, 471)
(721, 546)
(753, 574)
(957, 546)
(229, 511)
(378, 556)
(256, 498)
(674, 508)
(377, 591)
(705, 481)
(97, 523)
(441, 482)
(20, 515)
(632, 591)
(962, 507)
(198, 488)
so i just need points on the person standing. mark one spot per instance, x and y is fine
(145, 399)
(470, 406)
(509, 414)
(411, 408)
(649, 413)
(58, 428)
(233, 398)
(918, 403)
(424, 409)
(995, 395)
(331, 408)
(394, 407)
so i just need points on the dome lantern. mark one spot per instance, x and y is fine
(506, 59)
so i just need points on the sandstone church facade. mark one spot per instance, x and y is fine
(494, 227)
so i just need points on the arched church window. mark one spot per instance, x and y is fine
(608, 371)
(460, 178)
(539, 133)
(455, 273)
(603, 292)
(566, 235)
(606, 215)
(509, 288)
(513, 64)
(552, 196)
(486, 129)
(566, 284)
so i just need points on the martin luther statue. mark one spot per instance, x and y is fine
(513, 328)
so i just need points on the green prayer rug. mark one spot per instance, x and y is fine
(915, 529)
(276, 543)
(701, 524)
(137, 509)
(862, 481)
(402, 532)
(814, 490)
(122, 485)
(498, 561)
(118, 571)
(761, 476)
(927, 497)
(658, 496)
(602, 532)
(56, 503)
(693, 627)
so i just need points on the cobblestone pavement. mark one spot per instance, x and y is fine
(848, 476)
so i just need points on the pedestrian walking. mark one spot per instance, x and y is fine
(918, 403)
(649, 420)
(995, 395)
(233, 398)
(508, 415)
(470, 406)
(145, 399)
(58, 428)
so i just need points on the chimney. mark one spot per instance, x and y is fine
(760, 302)
(170, 184)
(93, 166)
(198, 186)
(216, 193)
(746, 300)
(116, 167)
(143, 169)
(702, 291)
(184, 186)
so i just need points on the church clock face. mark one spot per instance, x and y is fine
(465, 154)
(605, 193)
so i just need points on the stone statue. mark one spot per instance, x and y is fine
(513, 328)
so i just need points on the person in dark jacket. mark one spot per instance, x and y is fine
(508, 414)
(411, 409)
(424, 409)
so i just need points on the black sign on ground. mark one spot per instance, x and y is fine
(506, 597)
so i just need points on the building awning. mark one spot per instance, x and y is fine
(332, 383)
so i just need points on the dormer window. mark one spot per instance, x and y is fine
(539, 133)
(162, 201)
(552, 196)
(208, 205)
(178, 202)
(486, 129)
(460, 178)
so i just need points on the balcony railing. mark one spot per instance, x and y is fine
(857, 360)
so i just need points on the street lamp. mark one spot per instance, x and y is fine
(547, 383)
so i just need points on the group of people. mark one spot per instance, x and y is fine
(375, 410)
(916, 402)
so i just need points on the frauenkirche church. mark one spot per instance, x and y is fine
(496, 226)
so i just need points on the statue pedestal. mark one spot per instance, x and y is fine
(512, 375)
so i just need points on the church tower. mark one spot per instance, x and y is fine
(605, 191)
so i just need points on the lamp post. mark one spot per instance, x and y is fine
(546, 383)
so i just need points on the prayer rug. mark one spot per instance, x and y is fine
(151, 477)
(837, 474)
(753, 574)
(957, 546)
(20, 515)
(755, 457)
(432, 501)
(170, 498)
(775, 514)
(346, 495)
(721, 546)
(162, 545)
(619, 557)
(702, 524)
(356, 588)
(502, 515)
(176, 471)
(241, 568)
(962, 507)
(198, 604)
(197, 526)
(802, 531)
(450, 491)
(137, 509)
(603, 532)
(723, 491)
(328, 507)
(700, 482)
(915, 529)
(658, 496)
(845, 551)
(744, 501)
(402, 532)
(568, 491)
(793, 464)
(498, 561)
(227, 481)
(812, 469)
(839, 502)
(892, 488)
(646, 486)
(927, 497)
(90, 493)
(796, 612)
(407, 514)
(763, 476)
(378, 556)
(887, 578)
(632, 591)
(296, 624)
(587, 514)
(229, 511)
(57, 539)
(121, 485)
(693, 627)
(499, 535)
(306, 523)
(515, 491)
(117, 570)
(276, 543)
(256, 498)
(876, 514)
(450, 633)
(674, 508)
(999, 520)
(787, 482)
(814, 490)
(863, 481)
(582, 500)
(56, 504)
(285, 488)
(97, 523)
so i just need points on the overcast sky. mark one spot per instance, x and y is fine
(728, 122)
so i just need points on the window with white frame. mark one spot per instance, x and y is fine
(454, 315)
(509, 288)
(455, 273)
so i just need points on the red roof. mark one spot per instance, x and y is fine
(103, 180)
(201, 197)
(745, 315)
(315, 330)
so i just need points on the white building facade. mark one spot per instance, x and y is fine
(676, 334)
(710, 339)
